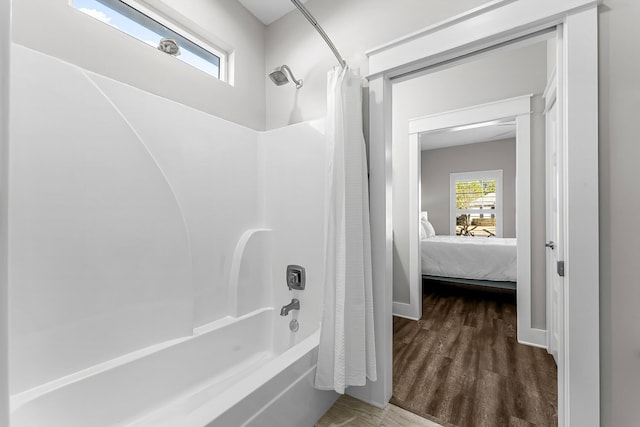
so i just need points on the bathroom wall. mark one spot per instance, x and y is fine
(293, 169)
(439, 164)
(125, 210)
(55, 28)
(212, 168)
(5, 40)
(355, 26)
(619, 249)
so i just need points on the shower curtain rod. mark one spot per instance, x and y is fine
(324, 35)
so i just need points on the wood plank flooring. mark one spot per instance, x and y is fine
(461, 365)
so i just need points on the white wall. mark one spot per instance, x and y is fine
(355, 26)
(123, 221)
(55, 28)
(5, 45)
(293, 171)
(439, 164)
(211, 166)
(499, 75)
(126, 211)
(619, 198)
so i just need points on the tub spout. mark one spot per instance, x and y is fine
(293, 305)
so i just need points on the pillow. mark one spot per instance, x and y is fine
(429, 230)
(423, 232)
(426, 225)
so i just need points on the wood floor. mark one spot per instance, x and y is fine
(461, 365)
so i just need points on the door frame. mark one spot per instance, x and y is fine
(518, 109)
(493, 24)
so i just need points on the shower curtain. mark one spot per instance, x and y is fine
(347, 348)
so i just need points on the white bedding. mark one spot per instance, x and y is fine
(478, 258)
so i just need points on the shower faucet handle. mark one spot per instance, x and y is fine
(296, 277)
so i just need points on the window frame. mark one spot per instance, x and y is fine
(179, 29)
(487, 175)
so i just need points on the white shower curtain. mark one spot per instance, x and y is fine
(347, 347)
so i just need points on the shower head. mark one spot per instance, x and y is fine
(279, 77)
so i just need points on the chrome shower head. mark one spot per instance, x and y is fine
(279, 77)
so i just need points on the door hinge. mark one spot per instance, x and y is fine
(561, 268)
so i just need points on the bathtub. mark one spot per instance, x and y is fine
(245, 371)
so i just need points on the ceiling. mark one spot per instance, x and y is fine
(269, 11)
(463, 135)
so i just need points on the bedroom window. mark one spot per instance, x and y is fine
(151, 28)
(476, 203)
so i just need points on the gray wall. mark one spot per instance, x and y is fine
(438, 164)
(355, 26)
(619, 196)
(500, 75)
(55, 28)
(5, 21)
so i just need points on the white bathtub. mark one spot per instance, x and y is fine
(234, 372)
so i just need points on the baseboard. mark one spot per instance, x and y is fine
(360, 394)
(405, 310)
(533, 337)
(366, 393)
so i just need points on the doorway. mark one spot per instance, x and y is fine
(467, 349)
(483, 28)
(514, 110)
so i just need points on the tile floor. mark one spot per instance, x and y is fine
(351, 412)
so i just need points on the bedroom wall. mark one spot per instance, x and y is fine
(438, 164)
(55, 28)
(499, 75)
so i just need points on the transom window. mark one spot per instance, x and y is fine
(152, 29)
(476, 203)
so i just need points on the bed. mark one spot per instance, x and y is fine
(472, 260)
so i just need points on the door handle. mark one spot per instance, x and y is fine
(550, 244)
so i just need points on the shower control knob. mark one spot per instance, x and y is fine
(296, 277)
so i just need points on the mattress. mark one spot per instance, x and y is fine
(478, 258)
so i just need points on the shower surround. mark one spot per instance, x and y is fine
(148, 248)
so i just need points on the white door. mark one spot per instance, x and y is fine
(555, 244)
